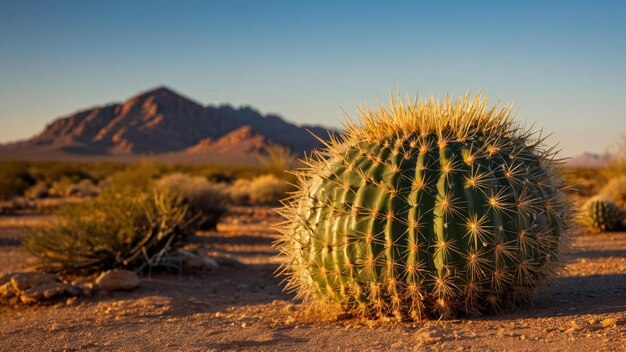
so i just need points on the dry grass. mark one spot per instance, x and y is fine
(206, 199)
(264, 189)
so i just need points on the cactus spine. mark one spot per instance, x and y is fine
(602, 215)
(425, 210)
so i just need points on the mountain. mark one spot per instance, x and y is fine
(242, 140)
(163, 122)
(590, 160)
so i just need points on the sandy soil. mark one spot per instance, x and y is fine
(239, 308)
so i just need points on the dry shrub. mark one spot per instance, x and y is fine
(615, 190)
(277, 158)
(85, 188)
(59, 188)
(38, 191)
(209, 200)
(16, 205)
(116, 229)
(264, 189)
(14, 179)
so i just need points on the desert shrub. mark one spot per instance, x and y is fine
(586, 182)
(215, 174)
(615, 190)
(617, 165)
(132, 230)
(276, 159)
(99, 171)
(240, 191)
(14, 179)
(51, 172)
(264, 189)
(136, 177)
(206, 199)
(38, 191)
(85, 188)
(15, 205)
(60, 188)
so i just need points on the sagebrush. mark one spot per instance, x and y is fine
(117, 229)
(206, 199)
(264, 189)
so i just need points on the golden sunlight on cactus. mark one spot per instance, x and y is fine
(426, 209)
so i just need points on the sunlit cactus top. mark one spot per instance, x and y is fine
(425, 209)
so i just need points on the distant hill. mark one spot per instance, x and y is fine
(590, 160)
(162, 122)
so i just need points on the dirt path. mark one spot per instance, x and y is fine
(244, 308)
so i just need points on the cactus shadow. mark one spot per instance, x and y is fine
(276, 340)
(10, 242)
(575, 295)
(595, 254)
(188, 294)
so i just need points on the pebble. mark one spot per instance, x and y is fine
(71, 301)
(609, 322)
(118, 280)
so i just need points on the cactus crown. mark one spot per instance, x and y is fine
(425, 209)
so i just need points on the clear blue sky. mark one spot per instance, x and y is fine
(563, 61)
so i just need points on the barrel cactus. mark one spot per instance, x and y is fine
(426, 209)
(601, 215)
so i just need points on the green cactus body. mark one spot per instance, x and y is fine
(602, 215)
(412, 222)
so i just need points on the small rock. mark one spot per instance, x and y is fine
(344, 316)
(609, 322)
(227, 261)
(5, 278)
(72, 290)
(397, 346)
(190, 261)
(24, 281)
(430, 336)
(42, 292)
(7, 290)
(71, 301)
(577, 323)
(500, 333)
(209, 263)
(85, 288)
(116, 280)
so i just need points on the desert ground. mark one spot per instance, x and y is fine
(241, 306)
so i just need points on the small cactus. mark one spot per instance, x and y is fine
(602, 215)
(425, 210)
